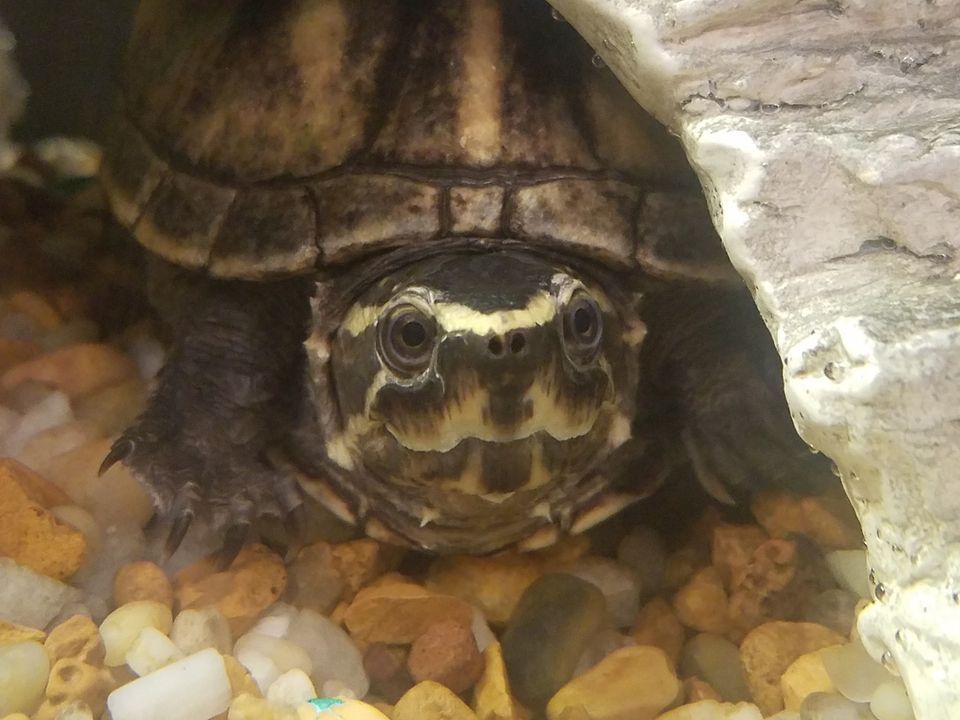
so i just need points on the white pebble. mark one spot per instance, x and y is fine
(292, 688)
(334, 655)
(195, 688)
(276, 621)
(619, 584)
(29, 598)
(849, 568)
(24, 668)
(854, 673)
(337, 689)
(151, 651)
(266, 657)
(482, 633)
(123, 626)
(890, 702)
(197, 629)
(52, 410)
(75, 711)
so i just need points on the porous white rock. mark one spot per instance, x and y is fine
(293, 688)
(196, 629)
(29, 598)
(825, 136)
(194, 688)
(267, 657)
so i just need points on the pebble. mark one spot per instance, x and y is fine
(24, 668)
(855, 674)
(51, 411)
(30, 534)
(716, 660)
(76, 370)
(78, 330)
(194, 688)
(695, 690)
(713, 710)
(313, 581)
(73, 711)
(732, 548)
(827, 521)
(702, 604)
(241, 682)
(830, 706)
(151, 651)
(554, 621)
(642, 550)
(74, 681)
(768, 586)
(253, 582)
(77, 637)
(121, 628)
(360, 562)
(834, 608)
(431, 701)
(333, 653)
(196, 630)
(482, 633)
(79, 519)
(768, 650)
(251, 707)
(446, 653)
(851, 571)
(600, 645)
(267, 658)
(11, 633)
(890, 702)
(35, 307)
(120, 544)
(400, 612)
(54, 441)
(112, 409)
(142, 580)
(342, 709)
(386, 667)
(805, 676)
(292, 688)
(619, 584)
(657, 624)
(492, 699)
(633, 683)
(14, 351)
(29, 598)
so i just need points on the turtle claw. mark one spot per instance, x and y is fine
(177, 532)
(296, 525)
(119, 451)
(233, 542)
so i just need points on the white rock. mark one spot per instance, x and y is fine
(849, 568)
(292, 688)
(854, 673)
(123, 626)
(482, 633)
(196, 629)
(334, 655)
(890, 702)
(267, 657)
(52, 410)
(24, 668)
(151, 651)
(29, 598)
(337, 689)
(619, 584)
(276, 621)
(75, 711)
(195, 688)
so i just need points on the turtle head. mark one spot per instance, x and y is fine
(466, 380)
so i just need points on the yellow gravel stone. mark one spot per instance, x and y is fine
(732, 548)
(805, 675)
(828, 521)
(121, 628)
(111, 409)
(11, 633)
(633, 683)
(702, 603)
(491, 695)
(657, 624)
(241, 683)
(713, 710)
(401, 612)
(77, 637)
(142, 580)
(431, 701)
(768, 650)
(360, 562)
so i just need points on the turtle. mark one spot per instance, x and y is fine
(428, 263)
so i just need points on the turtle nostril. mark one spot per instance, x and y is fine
(495, 346)
(517, 342)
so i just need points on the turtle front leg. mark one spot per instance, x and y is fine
(223, 399)
(713, 372)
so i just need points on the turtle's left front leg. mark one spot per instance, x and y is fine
(223, 399)
(712, 371)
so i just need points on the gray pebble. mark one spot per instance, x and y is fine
(715, 660)
(642, 551)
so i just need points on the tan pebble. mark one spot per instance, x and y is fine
(657, 624)
(142, 580)
(633, 683)
(121, 628)
(34, 306)
(53, 441)
(75, 711)
(30, 534)
(79, 519)
(446, 653)
(14, 352)
(768, 650)
(113, 498)
(680, 566)
(399, 613)
(73, 681)
(313, 581)
(76, 370)
(701, 604)
(491, 695)
(360, 562)
(431, 700)
(16, 716)
(253, 582)
(695, 690)
(828, 521)
(241, 682)
(769, 587)
(11, 633)
(77, 637)
(805, 675)
(733, 547)
(111, 409)
(713, 710)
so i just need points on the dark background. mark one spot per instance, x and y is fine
(68, 52)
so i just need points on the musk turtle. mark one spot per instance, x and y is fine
(430, 264)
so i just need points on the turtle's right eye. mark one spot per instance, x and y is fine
(405, 339)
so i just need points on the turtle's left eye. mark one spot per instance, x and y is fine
(582, 328)
(405, 339)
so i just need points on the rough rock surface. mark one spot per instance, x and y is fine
(825, 136)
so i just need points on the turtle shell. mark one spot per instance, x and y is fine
(260, 139)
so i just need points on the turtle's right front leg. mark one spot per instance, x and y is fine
(223, 398)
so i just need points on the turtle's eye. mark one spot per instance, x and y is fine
(582, 329)
(405, 339)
